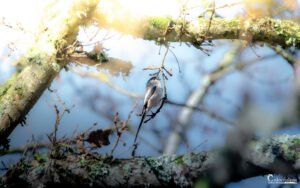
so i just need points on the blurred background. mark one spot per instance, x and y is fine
(251, 83)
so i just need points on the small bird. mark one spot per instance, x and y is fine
(153, 96)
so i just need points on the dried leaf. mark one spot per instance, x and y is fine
(99, 137)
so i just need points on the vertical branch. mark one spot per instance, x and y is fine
(58, 117)
(195, 99)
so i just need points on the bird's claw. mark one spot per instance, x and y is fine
(151, 115)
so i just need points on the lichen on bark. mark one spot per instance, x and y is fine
(84, 169)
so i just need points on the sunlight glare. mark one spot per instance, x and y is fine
(152, 7)
(23, 17)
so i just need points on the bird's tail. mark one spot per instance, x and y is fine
(140, 125)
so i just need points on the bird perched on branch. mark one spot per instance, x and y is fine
(153, 96)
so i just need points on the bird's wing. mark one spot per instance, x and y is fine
(149, 94)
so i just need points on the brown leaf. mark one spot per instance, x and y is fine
(99, 137)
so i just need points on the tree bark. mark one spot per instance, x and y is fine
(43, 62)
(279, 154)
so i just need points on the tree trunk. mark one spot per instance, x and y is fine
(43, 62)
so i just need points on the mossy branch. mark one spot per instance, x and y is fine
(43, 62)
(285, 33)
(259, 158)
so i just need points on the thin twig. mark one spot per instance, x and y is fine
(213, 10)
(123, 127)
(202, 109)
(26, 148)
(119, 133)
(58, 117)
(287, 56)
(216, 8)
(178, 64)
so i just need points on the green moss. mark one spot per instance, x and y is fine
(291, 41)
(296, 141)
(34, 56)
(156, 26)
(179, 160)
(127, 171)
(40, 157)
(83, 162)
(202, 183)
(162, 167)
(279, 30)
(234, 23)
(288, 30)
(60, 44)
(37, 59)
(5, 87)
(159, 23)
(291, 150)
(97, 169)
(9, 91)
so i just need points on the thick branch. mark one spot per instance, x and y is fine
(19, 94)
(277, 155)
(267, 30)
